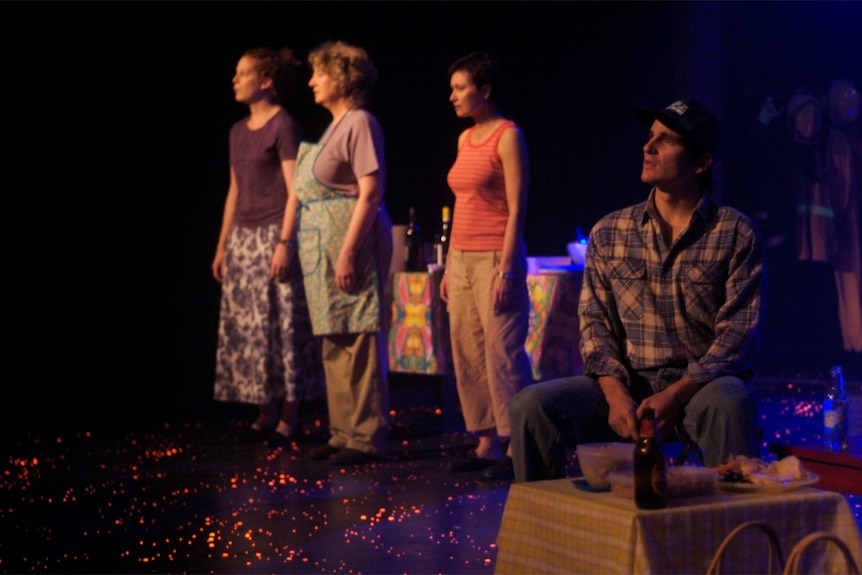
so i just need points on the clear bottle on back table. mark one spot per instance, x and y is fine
(649, 465)
(441, 240)
(836, 418)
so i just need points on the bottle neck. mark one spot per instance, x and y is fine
(838, 376)
(838, 383)
(647, 425)
(646, 430)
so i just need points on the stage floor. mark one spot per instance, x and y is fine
(179, 495)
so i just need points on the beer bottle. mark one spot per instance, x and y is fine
(649, 464)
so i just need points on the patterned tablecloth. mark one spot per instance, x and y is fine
(559, 526)
(554, 335)
(419, 326)
(419, 332)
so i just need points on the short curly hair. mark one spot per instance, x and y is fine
(349, 66)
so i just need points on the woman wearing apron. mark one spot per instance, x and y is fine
(345, 248)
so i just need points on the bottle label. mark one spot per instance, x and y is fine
(835, 419)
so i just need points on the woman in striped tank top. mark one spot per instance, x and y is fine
(485, 284)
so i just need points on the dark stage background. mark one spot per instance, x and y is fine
(117, 121)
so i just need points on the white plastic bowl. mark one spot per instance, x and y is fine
(598, 460)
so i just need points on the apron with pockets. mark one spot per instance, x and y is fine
(324, 216)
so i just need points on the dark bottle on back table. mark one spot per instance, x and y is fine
(414, 255)
(649, 465)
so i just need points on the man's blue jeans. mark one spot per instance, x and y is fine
(550, 417)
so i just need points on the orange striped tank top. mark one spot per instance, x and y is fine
(476, 178)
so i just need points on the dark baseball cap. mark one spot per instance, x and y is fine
(690, 119)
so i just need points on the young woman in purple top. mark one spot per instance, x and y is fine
(266, 355)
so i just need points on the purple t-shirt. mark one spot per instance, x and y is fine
(351, 149)
(256, 157)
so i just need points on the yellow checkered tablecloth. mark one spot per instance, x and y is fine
(559, 526)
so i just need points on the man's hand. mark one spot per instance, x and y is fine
(668, 403)
(622, 416)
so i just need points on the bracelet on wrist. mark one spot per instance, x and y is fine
(287, 243)
(505, 275)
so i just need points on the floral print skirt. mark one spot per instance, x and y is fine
(266, 351)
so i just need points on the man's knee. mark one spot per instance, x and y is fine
(523, 403)
(735, 399)
(725, 395)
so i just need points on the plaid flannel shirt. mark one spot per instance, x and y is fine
(697, 304)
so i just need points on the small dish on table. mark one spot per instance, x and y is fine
(750, 475)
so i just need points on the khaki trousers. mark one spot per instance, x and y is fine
(357, 391)
(488, 353)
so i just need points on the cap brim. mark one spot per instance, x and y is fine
(674, 123)
(643, 114)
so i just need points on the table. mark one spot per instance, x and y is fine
(554, 335)
(559, 526)
(419, 326)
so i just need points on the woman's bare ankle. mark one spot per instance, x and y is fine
(267, 416)
(489, 447)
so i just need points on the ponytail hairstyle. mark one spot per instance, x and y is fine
(283, 67)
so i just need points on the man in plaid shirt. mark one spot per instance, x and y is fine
(670, 315)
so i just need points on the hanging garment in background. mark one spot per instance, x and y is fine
(827, 189)
(827, 184)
